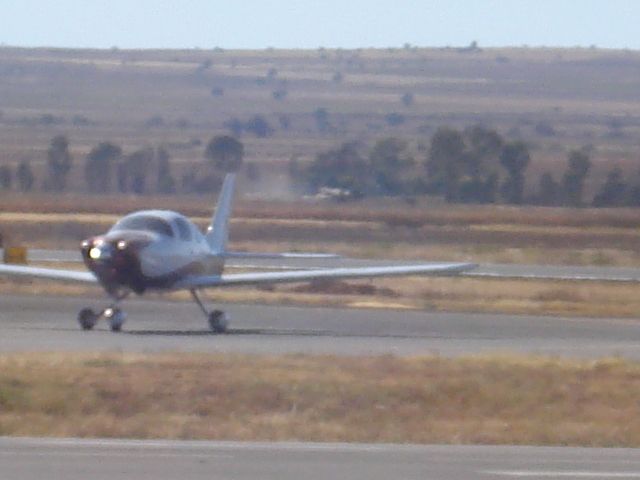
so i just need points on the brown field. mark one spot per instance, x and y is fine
(379, 229)
(156, 97)
(483, 400)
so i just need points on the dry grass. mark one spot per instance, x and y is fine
(479, 234)
(322, 398)
(390, 212)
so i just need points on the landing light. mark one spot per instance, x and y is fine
(95, 253)
(122, 245)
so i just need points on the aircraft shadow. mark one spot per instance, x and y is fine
(261, 332)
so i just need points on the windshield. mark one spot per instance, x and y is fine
(146, 223)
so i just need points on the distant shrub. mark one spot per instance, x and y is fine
(259, 126)
(50, 119)
(279, 94)
(407, 99)
(394, 119)
(183, 123)
(24, 176)
(321, 117)
(285, 121)
(80, 121)
(545, 129)
(6, 177)
(155, 121)
(234, 125)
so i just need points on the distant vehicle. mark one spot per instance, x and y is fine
(163, 250)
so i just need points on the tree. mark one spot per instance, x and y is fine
(235, 126)
(389, 161)
(548, 190)
(98, 166)
(445, 162)
(24, 176)
(574, 178)
(321, 116)
(166, 183)
(133, 170)
(481, 165)
(485, 147)
(514, 158)
(340, 168)
(6, 177)
(225, 152)
(394, 119)
(407, 99)
(613, 192)
(59, 162)
(259, 126)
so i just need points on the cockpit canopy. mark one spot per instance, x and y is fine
(144, 222)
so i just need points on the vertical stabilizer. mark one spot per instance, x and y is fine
(218, 231)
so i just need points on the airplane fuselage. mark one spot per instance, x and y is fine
(150, 249)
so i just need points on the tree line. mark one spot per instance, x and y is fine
(108, 168)
(475, 165)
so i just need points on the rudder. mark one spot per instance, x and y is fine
(218, 231)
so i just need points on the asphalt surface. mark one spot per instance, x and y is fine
(552, 272)
(36, 323)
(72, 459)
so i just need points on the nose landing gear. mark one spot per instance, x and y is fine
(87, 318)
(218, 320)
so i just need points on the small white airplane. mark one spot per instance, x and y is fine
(163, 250)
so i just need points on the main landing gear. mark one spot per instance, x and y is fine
(87, 318)
(218, 320)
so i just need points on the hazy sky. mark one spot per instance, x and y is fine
(311, 24)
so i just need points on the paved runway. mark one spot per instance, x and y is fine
(35, 459)
(30, 323)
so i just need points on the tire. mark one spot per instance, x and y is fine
(218, 321)
(116, 319)
(87, 319)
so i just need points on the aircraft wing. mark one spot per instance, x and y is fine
(48, 273)
(291, 276)
(275, 256)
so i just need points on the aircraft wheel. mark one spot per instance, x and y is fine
(116, 318)
(87, 318)
(218, 321)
